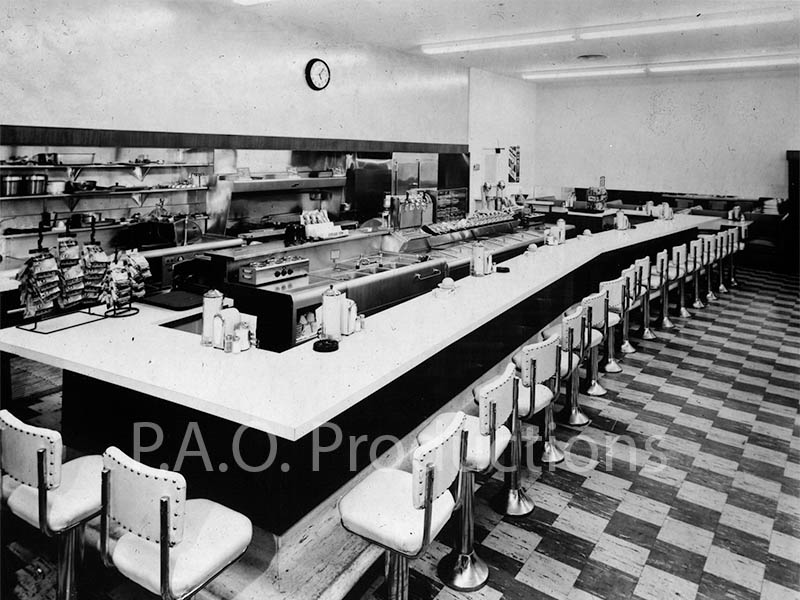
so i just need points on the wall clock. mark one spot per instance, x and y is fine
(318, 74)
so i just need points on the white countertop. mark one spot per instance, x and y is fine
(289, 394)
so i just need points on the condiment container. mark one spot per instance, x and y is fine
(332, 301)
(478, 263)
(212, 304)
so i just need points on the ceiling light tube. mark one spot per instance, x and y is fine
(579, 73)
(740, 63)
(711, 21)
(497, 43)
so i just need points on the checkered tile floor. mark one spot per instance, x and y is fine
(686, 484)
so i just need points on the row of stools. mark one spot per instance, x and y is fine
(402, 512)
(167, 544)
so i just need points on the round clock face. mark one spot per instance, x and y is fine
(318, 74)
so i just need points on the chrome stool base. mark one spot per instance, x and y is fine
(551, 454)
(685, 314)
(627, 347)
(710, 297)
(734, 283)
(722, 289)
(666, 323)
(70, 549)
(573, 416)
(698, 304)
(595, 389)
(612, 366)
(648, 334)
(513, 503)
(396, 572)
(463, 572)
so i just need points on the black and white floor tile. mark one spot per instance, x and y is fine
(685, 485)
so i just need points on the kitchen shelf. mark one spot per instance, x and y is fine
(83, 229)
(73, 199)
(295, 183)
(140, 170)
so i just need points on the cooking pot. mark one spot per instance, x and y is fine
(11, 185)
(35, 185)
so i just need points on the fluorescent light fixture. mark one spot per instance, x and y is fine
(513, 41)
(250, 2)
(710, 21)
(718, 65)
(581, 73)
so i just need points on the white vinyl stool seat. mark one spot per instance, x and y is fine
(479, 456)
(590, 340)
(169, 545)
(213, 537)
(565, 363)
(614, 319)
(76, 499)
(542, 398)
(402, 512)
(375, 509)
(57, 498)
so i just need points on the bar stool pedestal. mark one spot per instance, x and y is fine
(463, 569)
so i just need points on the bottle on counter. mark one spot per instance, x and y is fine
(212, 304)
(332, 301)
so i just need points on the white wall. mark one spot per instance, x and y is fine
(718, 135)
(190, 66)
(501, 114)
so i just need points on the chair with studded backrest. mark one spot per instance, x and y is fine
(488, 436)
(596, 308)
(695, 267)
(539, 369)
(573, 325)
(631, 286)
(646, 284)
(660, 274)
(736, 247)
(616, 290)
(709, 258)
(402, 512)
(679, 270)
(167, 544)
(723, 251)
(55, 498)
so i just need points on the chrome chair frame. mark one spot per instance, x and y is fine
(630, 298)
(164, 543)
(696, 271)
(70, 541)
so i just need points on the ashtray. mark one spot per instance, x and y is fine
(326, 346)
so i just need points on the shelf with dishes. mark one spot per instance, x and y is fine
(99, 226)
(140, 169)
(135, 193)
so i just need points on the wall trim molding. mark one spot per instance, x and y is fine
(25, 135)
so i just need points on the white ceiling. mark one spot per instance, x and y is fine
(405, 25)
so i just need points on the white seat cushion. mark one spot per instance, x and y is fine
(213, 536)
(9, 485)
(542, 397)
(478, 456)
(565, 362)
(76, 499)
(655, 280)
(380, 510)
(613, 319)
(595, 339)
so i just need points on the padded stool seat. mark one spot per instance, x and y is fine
(613, 319)
(543, 396)
(589, 342)
(565, 363)
(77, 497)
(208, 526)
(478, 456)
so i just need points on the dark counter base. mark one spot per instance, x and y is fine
(97, 414)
